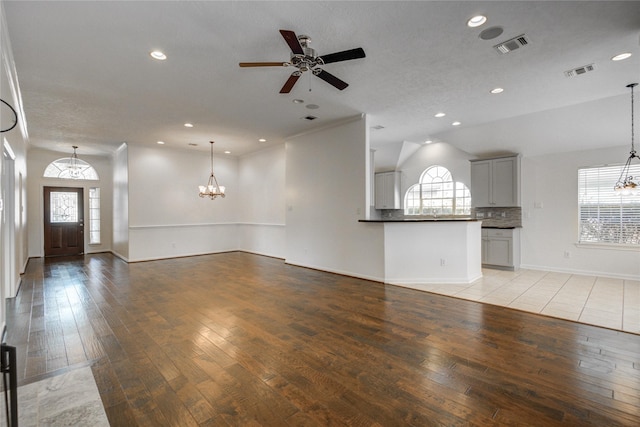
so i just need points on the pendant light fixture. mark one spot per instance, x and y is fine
(74, 167)
(628, 184)
(212, 189)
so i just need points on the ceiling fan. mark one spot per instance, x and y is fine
(304, 58)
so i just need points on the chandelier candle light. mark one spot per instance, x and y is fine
(212, 189)
(628, 184)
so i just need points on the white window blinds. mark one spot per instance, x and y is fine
(606, 216)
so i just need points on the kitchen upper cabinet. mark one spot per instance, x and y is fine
(495, 182)
(387, 190)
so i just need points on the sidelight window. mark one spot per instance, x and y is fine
(94, 216)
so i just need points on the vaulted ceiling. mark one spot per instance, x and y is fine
(87, 78)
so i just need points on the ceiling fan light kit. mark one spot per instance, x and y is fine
(305, 58)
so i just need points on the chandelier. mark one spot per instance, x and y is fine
(75, 165)
(628, 184)
(212, 189)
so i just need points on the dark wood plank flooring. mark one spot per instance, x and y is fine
(241, 339)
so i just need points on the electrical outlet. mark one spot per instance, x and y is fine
(442, 262)
(503, 214)
(567, 254)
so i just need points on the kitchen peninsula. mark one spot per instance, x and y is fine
(431, 250)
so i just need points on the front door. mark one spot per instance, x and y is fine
(63, 221)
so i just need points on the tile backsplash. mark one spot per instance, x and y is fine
(491, 217)
(498, 217)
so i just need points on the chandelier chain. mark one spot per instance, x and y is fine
(632, 115)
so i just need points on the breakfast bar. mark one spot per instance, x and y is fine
(431, 250)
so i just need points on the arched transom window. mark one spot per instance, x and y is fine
(437, 194)
(70, 168)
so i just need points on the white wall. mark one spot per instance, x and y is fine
(438, 153)
(261, 203)
(548, 232)
(120, 239)
(166, 216)
(13, 176)
(327, 184)
(37, 162)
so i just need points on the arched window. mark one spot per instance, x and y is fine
(437, 194)
(68, 168)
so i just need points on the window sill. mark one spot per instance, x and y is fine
(608, 246)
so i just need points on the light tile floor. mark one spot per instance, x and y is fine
(69, 399)
(594, 300)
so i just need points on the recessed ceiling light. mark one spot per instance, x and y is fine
(262, 140)
(298, 101)
(456, 123)
(161, 142)
(439, 115)
(156, 54)
(476, 21)
(428, 141)
(312, 106)
(188, 125)
(193, 144)
(227, 152)
(497, 90)
(621, 56)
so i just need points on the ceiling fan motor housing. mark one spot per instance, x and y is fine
(307, 61)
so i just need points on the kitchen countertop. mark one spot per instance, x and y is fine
(499, 227)
(420, 220)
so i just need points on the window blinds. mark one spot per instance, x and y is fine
(606, 216)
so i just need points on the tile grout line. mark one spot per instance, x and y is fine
(595, 279)
(529, 288)
(556, 294)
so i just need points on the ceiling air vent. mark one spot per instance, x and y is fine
(580, 70)
(309, 117)
(512, 44)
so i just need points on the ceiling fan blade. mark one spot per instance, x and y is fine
(332, 80)
(293, 78)
(262, 64)
(345, 55)
(292, 40)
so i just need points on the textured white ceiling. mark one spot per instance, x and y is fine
(87, 79)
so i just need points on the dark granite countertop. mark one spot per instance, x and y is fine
(421, 220)
(500, 227)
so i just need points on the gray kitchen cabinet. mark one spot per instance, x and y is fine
(387, 190)
(495, 182)
(501, 248)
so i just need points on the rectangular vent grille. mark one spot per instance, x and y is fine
(512, 44)
(580, 70)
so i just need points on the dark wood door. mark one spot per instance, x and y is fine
(63, 221)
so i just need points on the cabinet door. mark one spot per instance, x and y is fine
(387, 190)
(504, 182)
(499, 251)
(485, 249)
(380, 193)
(481, 183)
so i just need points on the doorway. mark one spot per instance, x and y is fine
(63, 221)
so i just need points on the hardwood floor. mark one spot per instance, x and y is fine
(241, 339)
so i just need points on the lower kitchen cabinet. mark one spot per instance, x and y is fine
(501, 248)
